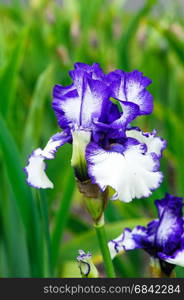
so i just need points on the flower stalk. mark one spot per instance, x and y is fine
(96, 202)
(102, 240)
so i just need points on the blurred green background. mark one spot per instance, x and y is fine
(41, 231)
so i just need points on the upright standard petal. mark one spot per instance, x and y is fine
(170, 228)
(130, 112)
(35, 169)
(67, 106)
(130, 171)
(79, 106)
(93, 70)
(131, 87)
(135, 89)
(95, 98)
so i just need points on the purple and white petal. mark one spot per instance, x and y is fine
(95, 98)
(116, 81)
(67, 107)
(126, 241)
(83, 256)
(135, 90)
(177, 258)
(35, 169)
(78, 107)
(94, 70)
(131, 87)
(131, 172)
(130, 112)
(154, 143)
(171, 224)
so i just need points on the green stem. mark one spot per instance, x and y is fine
(101, 235)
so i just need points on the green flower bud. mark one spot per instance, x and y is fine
(86, 265)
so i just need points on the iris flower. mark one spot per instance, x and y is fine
(163, 238)
(94, 113)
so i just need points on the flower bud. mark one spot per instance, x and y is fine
(95, 200)
(86, 265)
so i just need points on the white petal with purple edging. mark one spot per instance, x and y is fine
(125, 241)
(79, 106)
(35, 169)
(135, 91)
(132, 174)
(154, 143)
(68, 106)
(130, 112)
(131, 87)
(94, 97)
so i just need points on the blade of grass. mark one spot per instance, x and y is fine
(62, 217)
(125, 39)
(9, 74)
(15, 240)
(34, 121)
(175, 43)
(24, 199)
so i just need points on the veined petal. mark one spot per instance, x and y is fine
(126, 241)
(35, 169)
(131, 172)
(153, 142)
(79, 106)
(94, 70)
(169, 202)
(116, 81)
(131, 87)
(130, 112)
(135, 91)
(171, 223)
(67, 106)
(95, 97)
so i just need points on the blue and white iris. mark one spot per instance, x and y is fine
(111, 152)
(163, 238)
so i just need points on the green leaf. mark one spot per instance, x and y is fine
(62, 217)
(24, 199)
(14, 237)
(34, 122)
(124, 43)
(175, 43)
(9, 74)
